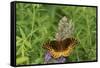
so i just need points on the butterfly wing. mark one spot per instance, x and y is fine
(70, 43)
(52, 47)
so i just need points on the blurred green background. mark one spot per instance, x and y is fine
(37, 23)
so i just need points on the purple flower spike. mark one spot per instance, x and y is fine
(61, 60)
(50, 59)
(47, 57)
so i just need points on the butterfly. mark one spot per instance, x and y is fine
(60, 48)
(64, 43)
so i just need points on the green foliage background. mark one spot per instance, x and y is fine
(37, 23)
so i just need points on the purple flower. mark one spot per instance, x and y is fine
(61, 60)
(47, 56)
(50, 59)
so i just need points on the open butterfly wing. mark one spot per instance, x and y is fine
(63, 48)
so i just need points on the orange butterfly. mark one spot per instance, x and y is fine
(64, 43)
(60, 48)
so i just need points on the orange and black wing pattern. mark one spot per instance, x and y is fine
(60, 48)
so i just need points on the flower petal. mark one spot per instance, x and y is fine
(61, 60)
(47, 57)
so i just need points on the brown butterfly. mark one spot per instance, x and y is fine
(64, 43)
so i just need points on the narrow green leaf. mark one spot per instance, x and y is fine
(22, 33)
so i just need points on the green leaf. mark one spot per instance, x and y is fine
(18, 40)
(38, 60)
(27, 43)
(22, 33)
(21, 60)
